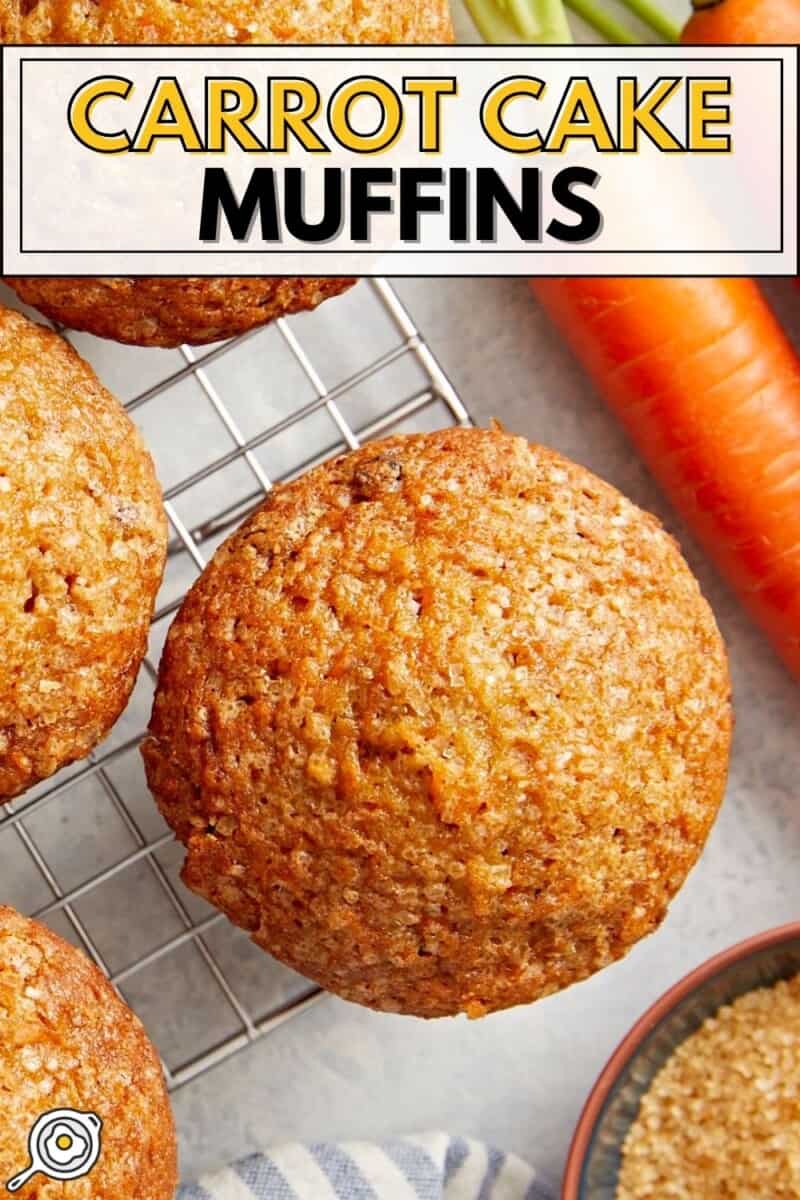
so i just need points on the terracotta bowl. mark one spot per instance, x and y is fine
(594, 1156)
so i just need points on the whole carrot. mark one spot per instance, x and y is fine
(708, 387)
(743, 22)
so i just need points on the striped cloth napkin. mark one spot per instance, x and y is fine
(430, 1166)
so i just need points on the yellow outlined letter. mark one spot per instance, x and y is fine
(296, 119)
(702, 114)
(222, 120)
(493, 109)
(430, 92)
(640, 113)
(81, 106)
(389, 126)
(579, 115)
(166, 116)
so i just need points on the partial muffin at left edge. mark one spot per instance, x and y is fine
(70, 1045)
(82, 548)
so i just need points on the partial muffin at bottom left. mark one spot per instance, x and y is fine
(83, 540)
(72, 1054)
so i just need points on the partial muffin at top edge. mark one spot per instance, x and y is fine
(444, 725)
(225, 22)
(167, 312)
(68, 1042)
(82, 548)
(170, 311)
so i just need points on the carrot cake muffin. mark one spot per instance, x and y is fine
(67, 1042)
(169, 311)
(82, 546)
(223, 22)
(444, 725)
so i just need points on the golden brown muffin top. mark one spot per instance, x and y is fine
(68, 1041)
(82, 547)
(165, 310)
(444, 724)
(224, 21)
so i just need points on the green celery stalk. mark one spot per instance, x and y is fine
(599, 20)
(650, 14)
(529, 21)
(545, 22)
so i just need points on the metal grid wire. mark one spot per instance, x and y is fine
(86, 851)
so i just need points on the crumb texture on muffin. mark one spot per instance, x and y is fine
(166, 311)
(721, 1119)
(444, 725)
(82, 547)
(225, 21)
(68, 1041)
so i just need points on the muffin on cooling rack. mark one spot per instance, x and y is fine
(444, 725)
(169, 311)
(77, 1066)
(82, 547)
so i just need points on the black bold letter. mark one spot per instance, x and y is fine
(591, 219)
(524, 215)
(218, 196)
(362, 203)
(330, 222)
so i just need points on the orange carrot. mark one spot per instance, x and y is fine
(708, 387)
(743, 22)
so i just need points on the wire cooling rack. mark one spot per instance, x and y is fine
(87, 851)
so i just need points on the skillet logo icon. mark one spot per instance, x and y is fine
(64, 1144)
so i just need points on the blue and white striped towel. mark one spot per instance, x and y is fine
(431, 1166)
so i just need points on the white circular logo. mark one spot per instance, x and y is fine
(64, 1144)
